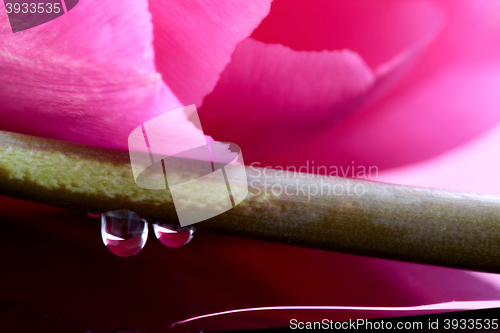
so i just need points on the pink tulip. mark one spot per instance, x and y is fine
(384, 83)
(94, 74)
(379, 82)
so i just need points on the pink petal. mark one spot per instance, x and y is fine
(281, 93)
(377, 30)
(292, 96)
(473, 167)
(448, 98)
(448, 108)
(194, 40)
(88, 76)
(471, 32)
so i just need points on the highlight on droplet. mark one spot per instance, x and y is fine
(173, 236)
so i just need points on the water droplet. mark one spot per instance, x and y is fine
(173, 235)
(124, 232)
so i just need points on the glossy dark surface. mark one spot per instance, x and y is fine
(58, 277)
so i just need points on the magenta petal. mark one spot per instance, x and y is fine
(194, 40)
(269, 94)
(473, 167)
(454, 105)
(87, 76)
(449, 98)
(377, 30)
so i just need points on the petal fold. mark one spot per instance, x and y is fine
(194, 40)
(88, 76)
(273, 95)
(377, 30)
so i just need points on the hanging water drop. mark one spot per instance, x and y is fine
(173, 235)
(124, 232)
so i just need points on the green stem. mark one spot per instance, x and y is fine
(438, 227)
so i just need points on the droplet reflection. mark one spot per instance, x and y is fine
(173, 235)
(124, 232)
